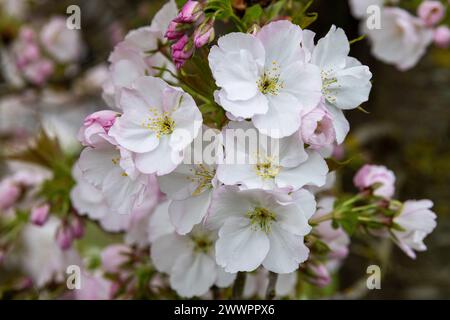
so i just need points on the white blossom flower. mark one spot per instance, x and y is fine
(188, 259)
(288, 166)
(264, 77)
(402, 40)
(418, 221)
(40, 256)
(137, 55)
(62, 43)
(111, 170)
(158, 123)
(191, 185)
(257, 227)
(345, 81)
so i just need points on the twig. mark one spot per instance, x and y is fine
(238, 287)
(270, 292)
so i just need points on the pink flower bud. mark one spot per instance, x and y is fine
(442, 37)
(182, 50)
(114, 256)
(320, 274)
(317, 128)
(9, 194)
(39, 215)
(431, 12)
(174, 31)
(64, 237)
(96, 127)
(378, 177)
(204, 34)
(27, 34)
(191, 12)
(77, 226)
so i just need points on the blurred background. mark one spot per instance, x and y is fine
(406, 126)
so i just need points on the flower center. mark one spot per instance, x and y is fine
(266, 168)
(160, 123)
(202, 177)
(270, 82)
(262, 218)
(328, 80)
(202, 243)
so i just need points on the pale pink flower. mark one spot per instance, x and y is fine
(41, 258)
(402, 40)
(431, 12)
(96, 127)
(94, 287)
(60, 42)
(418, 221)
(379, 178)
(114, 256)
(442, 36)
(317, 128)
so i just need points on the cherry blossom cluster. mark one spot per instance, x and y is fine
(35, 55)
(213, 182)
(404, 36)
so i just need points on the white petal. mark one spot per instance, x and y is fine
(193, 274)
(185, 214)
(224, 279)
(240, 247)
(311, 172)
(236, 73)
(162, 160)
(352, 87)
(286, 252)
(283, 117)
(281, 40)
(292, 220)
(306, 202)
(228, 202)
(167, 249)
(122, 193)
(331, 51)
(178, 184)
(304, 82)
(159, 223)
(340, 123)
(132, 135)
(95, 164)
(243, 108)
(286, 284)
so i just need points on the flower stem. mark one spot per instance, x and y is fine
(326, 217)
(238, 287)
(270, 292)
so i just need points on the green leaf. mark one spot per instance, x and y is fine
(274, 10)
(307, 19)
(349, 222)
(334, 165)
(252, 15)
